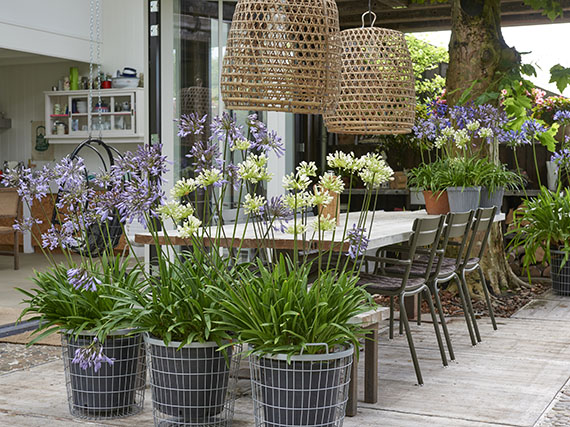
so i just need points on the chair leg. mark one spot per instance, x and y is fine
(16, 251)
(391, 332)
(435, 292)
(436, 327)
(470, 306)
(465, 310)
(404, 320)
(487, 297)
(400, 325)
(419, 315)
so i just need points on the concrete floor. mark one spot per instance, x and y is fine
(510, 379)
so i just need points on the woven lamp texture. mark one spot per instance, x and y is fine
(282, 55)
(377, 94)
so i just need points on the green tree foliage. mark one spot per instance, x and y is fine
(426, 57)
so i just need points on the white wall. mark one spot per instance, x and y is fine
(58, 28)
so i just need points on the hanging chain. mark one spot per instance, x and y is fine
(90, 95)
(98, 58)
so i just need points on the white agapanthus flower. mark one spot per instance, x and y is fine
(176, 210)
(448, 132)
(324, 223)
(321, 197)
(299, 229)
(252, 205)
(189, 227)
(210, 177)
(298, 200)
(332, 183)
(486, 133)
(375, 171)
(343, 161)
(473, 125)
(440, 141)
(462, 138)
(307, 169)
(254, 168)
(183, 187)
(241, 144)
(296, 182)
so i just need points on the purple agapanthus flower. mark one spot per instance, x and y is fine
(91, 356)
(206, 155)
(191, 124)
(276, 212)
(30, 185)
(80, 279)
(358, 241)
(26, 224)
(224, 128)
(264, 140)
(61, 237)
(531, 129)
(233, 176)
(562, 116)
(512, 138)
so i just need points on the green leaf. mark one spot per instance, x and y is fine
(561, 76)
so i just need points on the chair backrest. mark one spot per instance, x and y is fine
(426, 233)
(482, 222)
(9, 203)
(457, 226)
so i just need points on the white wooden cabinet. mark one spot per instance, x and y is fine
(119, 117)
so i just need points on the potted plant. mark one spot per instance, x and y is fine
(463, 183)
(494, 179)
(429, 178)
(544, 222)
(105, 372)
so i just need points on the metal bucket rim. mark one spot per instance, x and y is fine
(309, 357)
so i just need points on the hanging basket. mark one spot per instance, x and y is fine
(377, 94)
(282, 55)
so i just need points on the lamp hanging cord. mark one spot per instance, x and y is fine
(95, 56)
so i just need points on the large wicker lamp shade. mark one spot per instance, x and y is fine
(377, 94)
(282, 55)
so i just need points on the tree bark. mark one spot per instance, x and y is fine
(478, 53)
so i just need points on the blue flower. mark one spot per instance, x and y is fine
(358, 241)
(91, 356)
(80, 279)
(562, 116)
(191, 124)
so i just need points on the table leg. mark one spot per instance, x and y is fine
(371, 364)
(352, 404)
(411, 304)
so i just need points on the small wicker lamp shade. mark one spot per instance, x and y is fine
(282, 55)
(377, 94)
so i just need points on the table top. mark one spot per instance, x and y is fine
(388, 228)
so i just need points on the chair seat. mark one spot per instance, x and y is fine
(4, 229)
(377, 284)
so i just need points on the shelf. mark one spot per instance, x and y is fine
(95, 114)
(59, 115)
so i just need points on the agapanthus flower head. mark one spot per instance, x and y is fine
(331, 182)
(225, 129)
(191, 124)
(176, 211)
(30, 185)
(276, 212)
(374, 170)
(91, 356)
(183, 188)
(254, 168)
(461, 138)
(321, 197)
(206, 155)
(208, 177)
(562, 116)
(60, 237)
(513, 138)
(296, 229)
(307, 169)
(232, 175)
(486, 133)
(298, 200)
(531, 129)
(252, 204)
(358, 242)
(81, 279)
(241, 144)
(26, 224)
(473, 125)
(324, 223)
(296, 182)
(561, 159)
(342, 161)
(189, 227)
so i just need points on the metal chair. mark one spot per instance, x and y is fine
(426, 234)
(11, 208)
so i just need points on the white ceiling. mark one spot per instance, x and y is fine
(15, 57)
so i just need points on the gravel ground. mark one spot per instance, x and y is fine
(15, 357)
(559, 413)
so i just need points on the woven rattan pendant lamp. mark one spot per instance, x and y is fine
(282, 55)
(377, 94)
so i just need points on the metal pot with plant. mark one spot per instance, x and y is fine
(495, 179)
(105, 371)
(300, 339)
(544, 223)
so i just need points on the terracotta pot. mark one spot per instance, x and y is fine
(436, 203)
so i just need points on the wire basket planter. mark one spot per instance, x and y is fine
(282, 56)
(560, 274)
(311, 390)
(192, 386)
(377, 94)
(113, 391)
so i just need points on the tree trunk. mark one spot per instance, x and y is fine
(477, 52)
